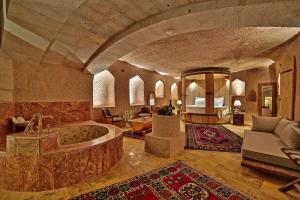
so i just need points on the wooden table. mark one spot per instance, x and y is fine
(295, 157)
(141, 125)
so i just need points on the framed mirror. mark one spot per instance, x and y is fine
(267, 99)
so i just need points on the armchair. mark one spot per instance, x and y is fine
(145, 112)
(109, 118)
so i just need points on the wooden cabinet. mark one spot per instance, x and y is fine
(238, 118)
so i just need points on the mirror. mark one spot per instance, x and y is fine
(151, 99)
(267, 99)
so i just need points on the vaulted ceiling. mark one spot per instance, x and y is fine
(97, 33)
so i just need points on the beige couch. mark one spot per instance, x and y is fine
(266, 139)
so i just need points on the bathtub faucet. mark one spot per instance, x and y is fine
(39, 117)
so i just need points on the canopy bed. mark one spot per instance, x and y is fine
(206, 95)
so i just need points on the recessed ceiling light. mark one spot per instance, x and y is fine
(170, 31)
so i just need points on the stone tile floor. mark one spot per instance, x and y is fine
(221, 165)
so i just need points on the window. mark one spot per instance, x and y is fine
(174, 91)
(104, 90)
(136, 91)
(159, 89)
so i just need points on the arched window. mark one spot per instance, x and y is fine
(159, 89)
(238, 88)
(104, 90)
(136, 91)
(174, 91)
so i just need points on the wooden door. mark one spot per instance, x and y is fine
(286, 96)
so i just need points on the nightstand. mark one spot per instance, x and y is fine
(238, 118)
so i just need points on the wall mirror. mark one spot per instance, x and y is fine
(267, 99)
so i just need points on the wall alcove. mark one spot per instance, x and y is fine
(104, 90)
(206, 95)
(136, 91)
(159, 89)
(174, 91)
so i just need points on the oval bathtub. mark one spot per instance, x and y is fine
(75, 134)
(68, 155)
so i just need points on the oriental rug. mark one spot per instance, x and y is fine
(177, 181)
(212, 138)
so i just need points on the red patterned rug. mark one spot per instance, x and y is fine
(212, 138)
(174, 182)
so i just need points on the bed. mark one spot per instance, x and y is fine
(199, 107)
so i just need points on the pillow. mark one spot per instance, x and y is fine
(264, 124)
(290, 137)
(200, 102)
(281, 125)
(218, 102)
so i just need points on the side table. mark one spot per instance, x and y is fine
(238, 118)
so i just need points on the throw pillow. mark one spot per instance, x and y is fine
(281, 125)
(290, 137)
(264, 124)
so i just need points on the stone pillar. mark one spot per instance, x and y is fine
(166, 138)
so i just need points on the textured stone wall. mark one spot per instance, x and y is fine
(35, 81)
(6, 77)
(252, 78)
(285, 54)
(122, 72)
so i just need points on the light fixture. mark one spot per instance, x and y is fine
(237, 103)
(170, 31)
(179, 102)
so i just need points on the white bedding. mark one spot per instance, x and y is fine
(221, 111)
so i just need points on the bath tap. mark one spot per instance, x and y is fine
(39, 117)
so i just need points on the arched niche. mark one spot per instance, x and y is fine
(159, 89)
(238, 88)
(136, 91)
(174, 91)
(104, 90)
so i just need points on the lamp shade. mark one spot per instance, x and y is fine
(178, 102)
(237, 103)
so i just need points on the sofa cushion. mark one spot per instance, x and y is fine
(290, 137)
(281, 125)
(265, 147)
(264, 124)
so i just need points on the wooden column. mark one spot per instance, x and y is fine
(183, 94)
(1, 21)
(209, 90)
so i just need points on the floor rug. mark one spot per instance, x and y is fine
(212, 138)
(173, 182)
(133, 135)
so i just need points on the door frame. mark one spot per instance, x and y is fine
(274, 95)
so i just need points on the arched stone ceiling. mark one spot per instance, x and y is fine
(97, 33)
(235, 48)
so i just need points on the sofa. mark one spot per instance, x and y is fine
(263, 143)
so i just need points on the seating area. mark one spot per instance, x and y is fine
(148, 100)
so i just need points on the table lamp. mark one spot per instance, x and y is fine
(237, 104)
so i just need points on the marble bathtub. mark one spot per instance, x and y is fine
(68, 155)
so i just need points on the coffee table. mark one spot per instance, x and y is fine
(141, 125)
